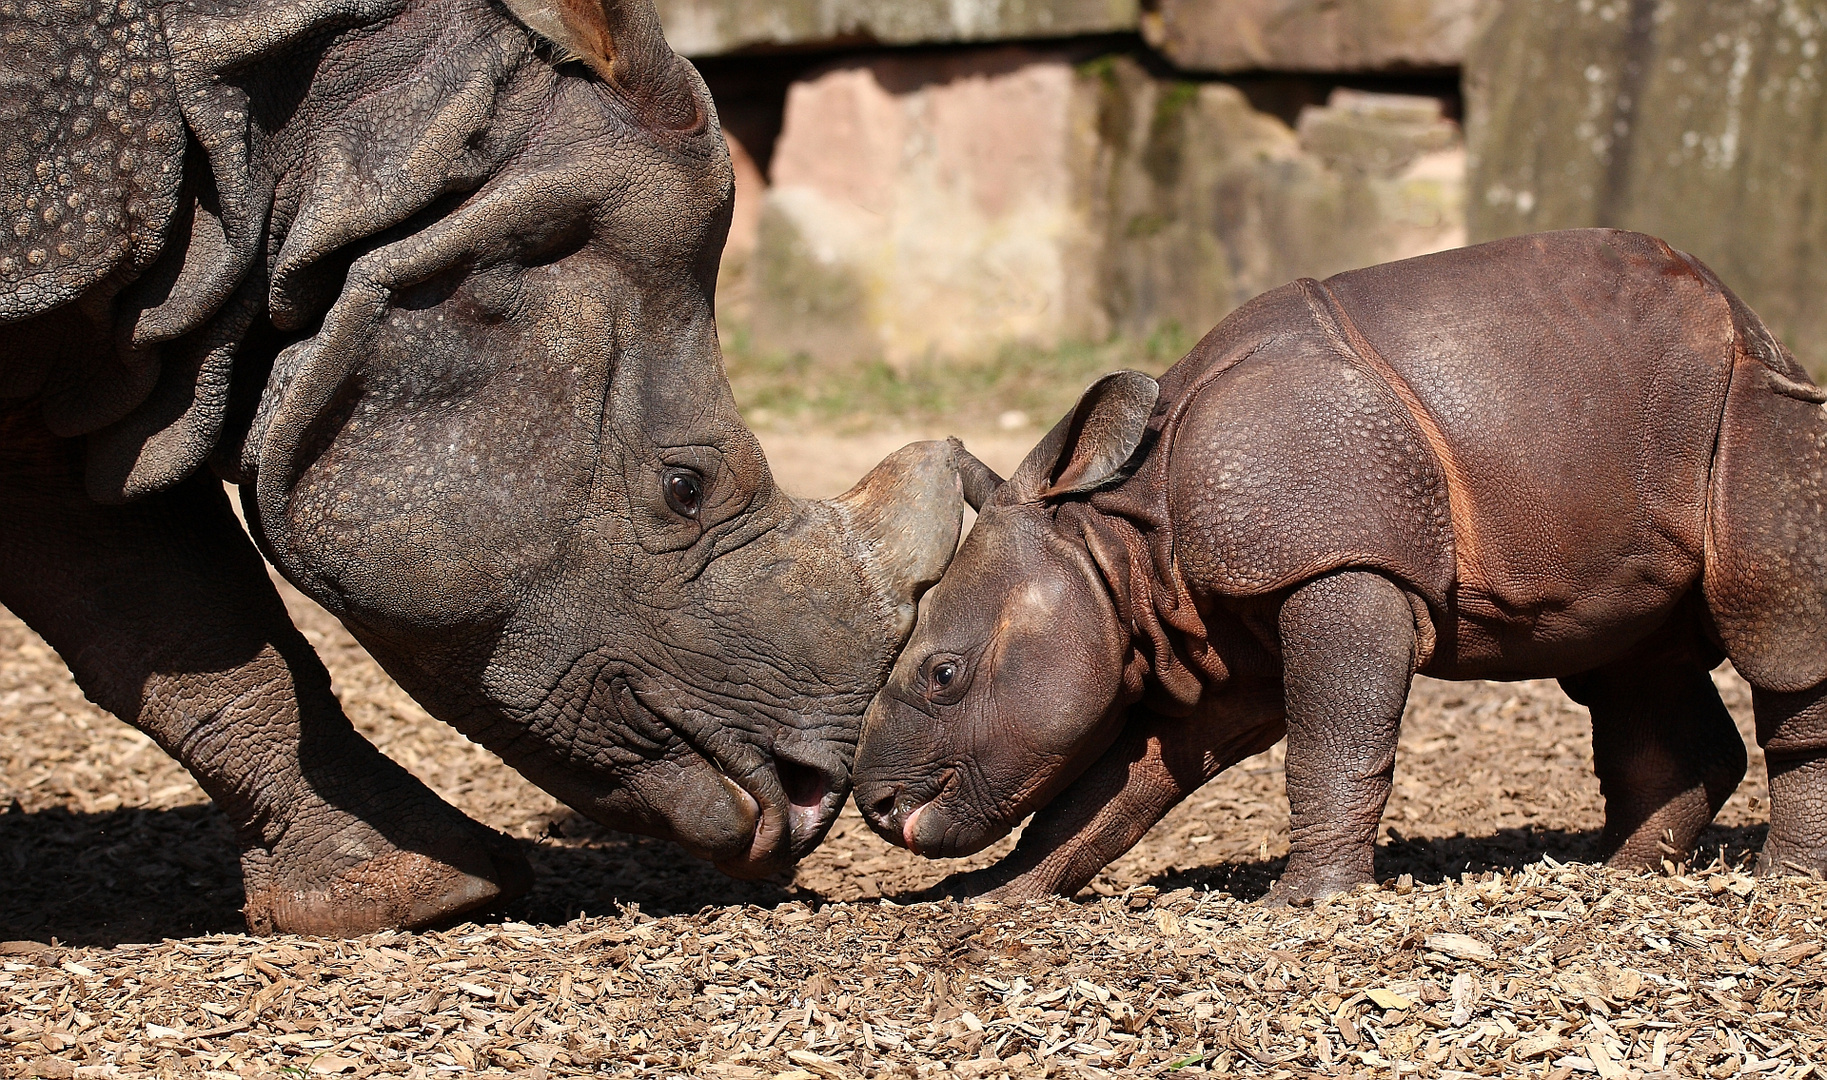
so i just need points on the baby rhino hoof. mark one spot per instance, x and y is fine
(1779, 859)
(996, 883)
(1301, 890)
(394, 889)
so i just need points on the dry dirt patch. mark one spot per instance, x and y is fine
(1492, 948)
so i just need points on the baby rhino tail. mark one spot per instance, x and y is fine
(1766, 573)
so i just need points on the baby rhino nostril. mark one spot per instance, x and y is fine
(878, 804)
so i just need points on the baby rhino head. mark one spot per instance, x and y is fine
(1010, 685)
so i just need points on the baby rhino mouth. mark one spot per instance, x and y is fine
(903, 814)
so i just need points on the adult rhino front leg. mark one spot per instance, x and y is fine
(164, 612)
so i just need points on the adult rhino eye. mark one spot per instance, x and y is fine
(944, 673)
(684, 492)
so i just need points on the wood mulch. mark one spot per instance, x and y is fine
(1550, 970)
(1493, 947)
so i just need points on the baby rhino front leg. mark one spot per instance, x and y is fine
(1348, 654)
(1156, 762)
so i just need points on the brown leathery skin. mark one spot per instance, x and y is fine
(439, 298)
(1572, 455)
(166, 616)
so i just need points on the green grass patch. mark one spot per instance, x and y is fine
(775, 388)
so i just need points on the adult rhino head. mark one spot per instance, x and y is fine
(433, 282)
(509, 460)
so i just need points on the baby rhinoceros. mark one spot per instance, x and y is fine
(1573, 455)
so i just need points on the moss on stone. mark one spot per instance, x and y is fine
(1704, 124)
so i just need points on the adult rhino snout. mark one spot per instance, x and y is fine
(832, 604)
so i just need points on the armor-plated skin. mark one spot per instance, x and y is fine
(1573, 455)
(442, 306)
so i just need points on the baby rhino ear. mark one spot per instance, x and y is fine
(1107, 426)
(1092, 443)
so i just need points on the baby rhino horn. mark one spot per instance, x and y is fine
(622, 42)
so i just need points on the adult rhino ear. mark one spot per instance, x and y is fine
(622, 42)
(1090, 446)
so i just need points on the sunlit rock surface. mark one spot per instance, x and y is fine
(1705, 124)
(947, 205)
(713, 27)
(1300, 35)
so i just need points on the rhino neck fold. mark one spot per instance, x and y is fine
(1152, 602)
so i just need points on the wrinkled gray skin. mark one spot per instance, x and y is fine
(443, 309)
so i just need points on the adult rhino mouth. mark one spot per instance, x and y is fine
(792, 791)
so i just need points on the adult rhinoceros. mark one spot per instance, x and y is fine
(439, 298)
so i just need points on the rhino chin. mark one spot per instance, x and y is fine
(717, 820)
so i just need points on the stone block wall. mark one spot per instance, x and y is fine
(940, 178)
(946, 179)
(713, 27)
(1703, 123)
(1301, 35)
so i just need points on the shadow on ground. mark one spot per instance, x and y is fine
(144, 875)
(1435, 859)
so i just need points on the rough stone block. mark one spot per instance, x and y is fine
(934, 207)
(715, 27)
(1705, 124)
(1207, 202)
(1302, 35)
(1375, 133)
(927, 206)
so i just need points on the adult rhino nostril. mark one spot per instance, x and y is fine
(809, 791)
(803, 784)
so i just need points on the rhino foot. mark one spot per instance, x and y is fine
(1300, 890)
(350, 880)
(996, 882)
(1775, 863)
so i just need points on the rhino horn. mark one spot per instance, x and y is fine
(905, 517)
(622, 42)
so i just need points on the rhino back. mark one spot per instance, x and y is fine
(91, 160)
(1577, 380)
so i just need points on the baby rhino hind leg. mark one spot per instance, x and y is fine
(1666, 753)
(1792, 728)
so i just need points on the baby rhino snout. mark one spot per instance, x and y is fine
(896, 810)
(885, 809)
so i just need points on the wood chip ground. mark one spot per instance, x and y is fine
(1493, 948)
